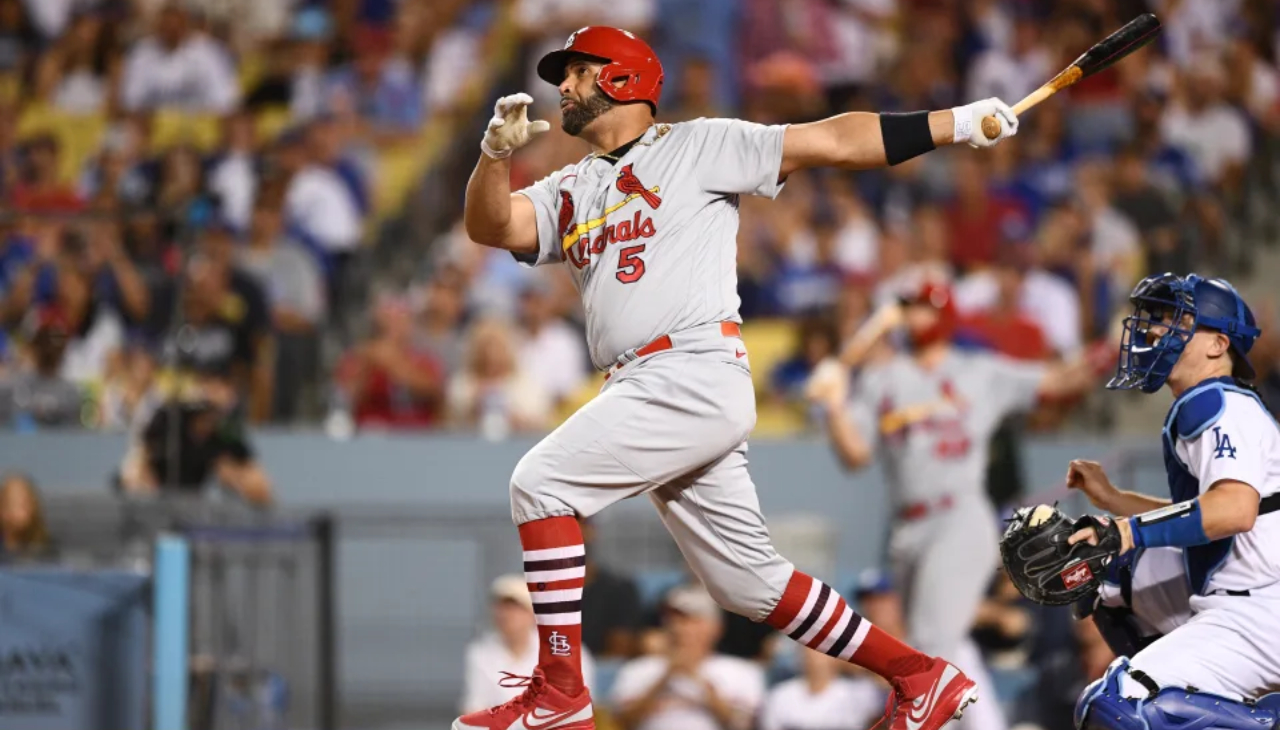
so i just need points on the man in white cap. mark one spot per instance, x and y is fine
(689, 687)
(511, 647)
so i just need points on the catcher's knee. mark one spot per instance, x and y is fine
(1126, 699)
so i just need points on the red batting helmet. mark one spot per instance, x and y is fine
(938, 296)
(625, 56)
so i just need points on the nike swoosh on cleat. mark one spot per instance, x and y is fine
(533, 720)
(739, 354)
(920, 708)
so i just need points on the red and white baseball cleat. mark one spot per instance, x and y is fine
(930, 699)
(541, 707)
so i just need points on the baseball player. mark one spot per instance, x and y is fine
(929, 414)
(646, 227)
(1222, 455)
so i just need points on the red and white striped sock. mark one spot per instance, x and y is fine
(555, 568)
(815, 615)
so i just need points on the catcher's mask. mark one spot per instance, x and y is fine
(1167, 301)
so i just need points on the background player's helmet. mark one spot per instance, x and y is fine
(938, 296)
(625, 56)
(1166, 299)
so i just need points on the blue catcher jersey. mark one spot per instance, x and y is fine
(1215, 431)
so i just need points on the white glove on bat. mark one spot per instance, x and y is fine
(510, 128)
(969, 122)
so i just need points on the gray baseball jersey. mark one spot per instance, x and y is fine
(651, 239)
(946, 452)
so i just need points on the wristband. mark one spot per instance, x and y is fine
(905, 136)
(1178, 525)
(963, 129)
(495, 154)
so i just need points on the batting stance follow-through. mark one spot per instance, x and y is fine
(646, 225)
(1186, 592)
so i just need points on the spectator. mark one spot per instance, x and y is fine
(381, 88)
(1014, 71)
(39, 395)
(19, 41)
(23, 533)
(611, 609)
(210, 442)
(296, 306)
(296, 66)
(117, 177)
(329, 140)
(1000, 306)
(1114, 241)
(179, 68)
(223, 324)
(510, 648)
(979, 215)
(857, 245)
(233, 174)
(550, 350)
(1004, 625)
(690, 687)
(79, 73)
(129, 394)
(439, 324)
(494, 392)
(1150, 209)
(1212, 133)
(390, 382)
(822, 699)
(39, 188)
(320, 211)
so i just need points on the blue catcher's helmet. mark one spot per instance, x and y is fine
(1166, 300)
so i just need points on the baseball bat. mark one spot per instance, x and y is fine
(1134, 35)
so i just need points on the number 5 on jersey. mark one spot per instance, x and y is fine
(630, 265)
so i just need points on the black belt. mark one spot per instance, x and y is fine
(1269, 504)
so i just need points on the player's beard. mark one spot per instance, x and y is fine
(576, 118)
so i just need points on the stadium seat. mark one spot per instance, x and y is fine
(169, 128)
(769, 342)
(79, 135)
(270, 122)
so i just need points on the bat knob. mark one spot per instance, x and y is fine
(990, 127)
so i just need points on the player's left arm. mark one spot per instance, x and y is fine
(1229, 456)
(863, 140)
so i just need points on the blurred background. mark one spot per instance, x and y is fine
(238, 310)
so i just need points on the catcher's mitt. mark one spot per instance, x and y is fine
(1044, 567)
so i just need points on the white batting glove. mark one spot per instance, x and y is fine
(510, 128)
(969, 122)
(828, 384)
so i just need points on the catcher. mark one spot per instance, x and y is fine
(1219, 651)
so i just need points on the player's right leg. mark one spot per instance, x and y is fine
(714, 516)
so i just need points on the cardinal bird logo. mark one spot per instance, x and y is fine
(566, 212)
(630, 184)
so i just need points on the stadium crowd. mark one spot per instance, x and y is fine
(210, 224)
(189, 192)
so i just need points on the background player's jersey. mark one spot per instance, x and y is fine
(967, 395)
(1220, 431)
(651, 239)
